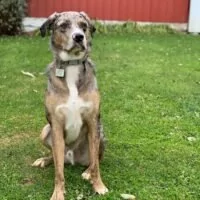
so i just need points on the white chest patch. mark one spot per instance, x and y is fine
(74, 106)
(65, 56)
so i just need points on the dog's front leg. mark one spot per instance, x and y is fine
(58, 148)
(93, 173)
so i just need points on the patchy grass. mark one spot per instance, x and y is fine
(150, 87)
(131, 27)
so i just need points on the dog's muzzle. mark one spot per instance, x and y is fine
(78, 37)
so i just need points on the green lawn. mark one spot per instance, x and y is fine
(150, 87)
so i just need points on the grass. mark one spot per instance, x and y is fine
(150, 87)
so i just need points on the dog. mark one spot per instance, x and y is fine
(74, 132)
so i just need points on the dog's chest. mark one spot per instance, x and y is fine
(74, 107)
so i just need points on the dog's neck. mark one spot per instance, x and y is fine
(64, 60)
(63, 64)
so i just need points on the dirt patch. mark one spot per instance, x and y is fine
(15, 139)
(27, 181)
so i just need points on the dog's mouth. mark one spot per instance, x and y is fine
(77, 48)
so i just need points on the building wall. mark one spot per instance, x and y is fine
(122, 10)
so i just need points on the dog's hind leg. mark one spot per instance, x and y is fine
(43, 162)
(46, 136)
(47, 141)
(102, 139)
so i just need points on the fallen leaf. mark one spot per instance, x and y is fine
(28, 74)
(128, 196)
(197, 114)
(191, 139)
(79, 197)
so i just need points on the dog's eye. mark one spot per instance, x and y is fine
(83, 25)
(64, 26)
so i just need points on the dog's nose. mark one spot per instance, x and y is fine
(78, 37)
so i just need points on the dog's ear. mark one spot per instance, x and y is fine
(91, 25)
(48, 23)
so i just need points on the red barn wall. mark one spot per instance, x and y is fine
(121, 10)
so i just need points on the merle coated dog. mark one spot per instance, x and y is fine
(74, 132)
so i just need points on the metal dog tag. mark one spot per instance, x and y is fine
(60, 72)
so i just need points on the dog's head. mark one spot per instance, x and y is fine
(71, 34)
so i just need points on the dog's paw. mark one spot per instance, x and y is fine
(86, 176)
(42, 162)
(57, 195)
(100, 188)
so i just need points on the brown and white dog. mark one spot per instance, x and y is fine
(74, 132)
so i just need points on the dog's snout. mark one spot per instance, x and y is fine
(78, 37)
